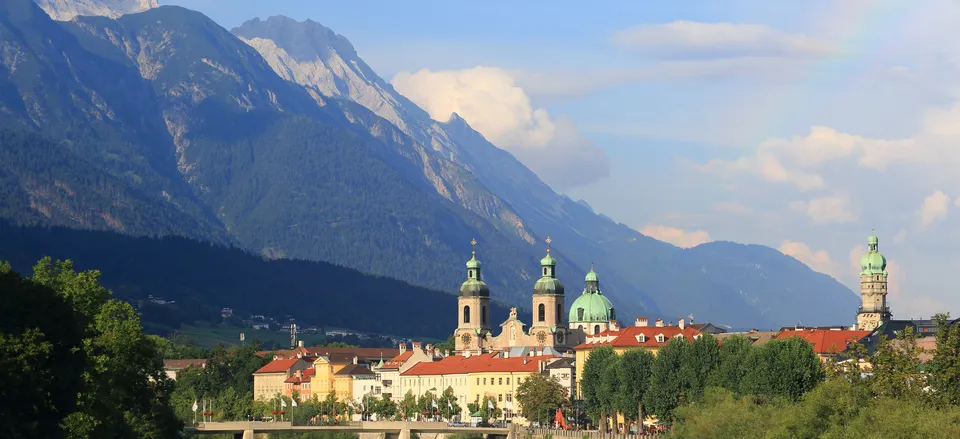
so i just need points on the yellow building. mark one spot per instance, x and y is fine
(268, 381)
(335, 374)
(475, 377)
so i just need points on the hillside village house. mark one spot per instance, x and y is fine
(172, 367)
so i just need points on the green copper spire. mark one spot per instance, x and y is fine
(548, 284)
(592, 306)
(548, 260)
(873, 262)
(474, 285)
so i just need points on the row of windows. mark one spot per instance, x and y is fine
(500, 381)
(483, 315)
(499, 397)
(542, 313)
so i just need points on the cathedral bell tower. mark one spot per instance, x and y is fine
(548, 327)
(473, 314)
(874, 310)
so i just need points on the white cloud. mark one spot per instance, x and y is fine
(819, 260)
(717, 40)
(826, 210)
(732, 207)
(491, 102)
(676, 236)
(935, 208)
(900, 237)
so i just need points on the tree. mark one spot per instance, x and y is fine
(385, 408)
(783, 368)
(408, 406)
(699, 362)
(668, 387)
(448, 345)
(594, 369)
(897, 369)
(483, 407)
(634, 371)
(945, 364)
(448, 404)
(425, 404)
(540, 396)
(733, 364)
(607, 390)
(126, 394)
(40, 351)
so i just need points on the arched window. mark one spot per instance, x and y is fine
(580, 327)
(483, 315)
(559, 313)
(466, 314)
(544, 271)
(541, 313)
(580, 314)
(596, 329)
(613, 314)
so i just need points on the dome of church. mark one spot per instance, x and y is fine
(548, 286)
(474, 288)
(592, 276)
(473, 263)
(873, 262)
(548, 260)
(591, 308)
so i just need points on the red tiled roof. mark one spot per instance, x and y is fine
(396, 362)
(183, 364)
(479, 363)
(824, 341)
(629, 337)
(307, 373)
(277, 366)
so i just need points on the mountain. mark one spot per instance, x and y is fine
(185, 114)
(203, 278)
(640, 273)
(65, 10)
(303, 152)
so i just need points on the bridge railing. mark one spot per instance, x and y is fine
(545, 433)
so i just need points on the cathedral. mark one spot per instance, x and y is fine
(590, 313)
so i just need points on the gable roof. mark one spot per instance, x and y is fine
(183, 364)
(354, 369)
(629, 337)
(305, 376)
(490, 363)
(396, 362)
(278, 366)
(825, 341)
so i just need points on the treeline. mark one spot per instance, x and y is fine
(637, 384)
(74, 362)
(203, 278)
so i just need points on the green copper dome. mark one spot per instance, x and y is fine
(873, 262)
(592, 306)
(549, 286)
(548, 260)
(473, 262)
(474, 285)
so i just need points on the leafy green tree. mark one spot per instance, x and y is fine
(733, 364)
(385, 408)
(945, 364)
(126, 394)
(41, 358)
(488, 412)
(447, 345)
(425, 403)
(607, 391)
(540, 396)
(668, 386)
(783, 368)
(700, 360)
(594, 369)
(897, 369)
(408, 406)
(448, 404)
(634, 372)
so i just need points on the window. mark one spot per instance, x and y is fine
(544, 271)
(613, 314)
(484, 381)
(541, 313)
(642, 338)
(559, 313)
(478, 381)
(596, 329)
(509, 397)
(659, 338)
(466, 314)
(508, 381)
(483, 315)
(500, 397)
(500, 381)
(580, 314)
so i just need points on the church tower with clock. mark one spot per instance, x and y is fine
(874, 310)
(548, 328)
(474, 309)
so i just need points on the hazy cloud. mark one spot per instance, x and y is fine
(676, 236)
(492, 103)
(935, 208)
(819, 260)
(826, 210)
(716, 40)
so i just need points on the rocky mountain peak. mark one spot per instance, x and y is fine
(66, 10)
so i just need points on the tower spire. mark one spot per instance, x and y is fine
(548, 244)
(474, 244)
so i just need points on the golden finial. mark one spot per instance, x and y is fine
(474, 244)
(548, 244)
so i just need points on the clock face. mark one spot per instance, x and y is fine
(541, 337)
(465, 339)
(559, 337)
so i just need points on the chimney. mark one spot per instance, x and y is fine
(466, 354)
(446, 352)
(416, 345)
(659, 323)
(354, 359)
(525, 359)
(429, 347)
(300, 343)
(681, 324)
(614, 326)
(641, 321)
(403, 347)
(299, 373)
(506, 354)
(436, 352)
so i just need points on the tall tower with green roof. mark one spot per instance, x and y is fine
(874, 310)
(547, 327)
(473, 313)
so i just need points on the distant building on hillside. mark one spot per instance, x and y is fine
(172, 367)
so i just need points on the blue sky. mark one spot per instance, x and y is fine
(798, 125)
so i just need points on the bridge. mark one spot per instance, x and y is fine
(391, 430)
